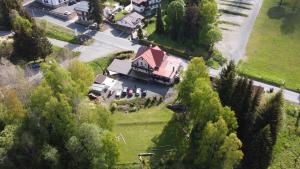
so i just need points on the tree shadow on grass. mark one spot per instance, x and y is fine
(170, 145)
(276, 12)
(290, 18)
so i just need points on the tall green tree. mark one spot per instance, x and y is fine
(175, 15)
(5, 8)
(191, 23)
(226, 83)
(88, 148)
(95, 11)
(208, 119)
(209, 31)
(160, 28)
(42, 44)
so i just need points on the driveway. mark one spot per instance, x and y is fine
(153, 89)
(236, 34)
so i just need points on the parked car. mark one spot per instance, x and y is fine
(138, 92)
(130, 92)
(118, 93)
(92, 96)
(144, 93)
(124, 92)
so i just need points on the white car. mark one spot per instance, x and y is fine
(118, 93)
(138, 92)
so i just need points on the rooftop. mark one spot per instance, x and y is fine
(154, 56)
(82, 6)
(131, 20)
(120, 66)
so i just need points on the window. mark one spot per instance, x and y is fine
(46, 1)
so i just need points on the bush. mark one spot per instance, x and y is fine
(218, 57)
(113, 107)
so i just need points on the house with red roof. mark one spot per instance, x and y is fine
(155, 63)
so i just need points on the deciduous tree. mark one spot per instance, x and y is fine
(175, 15)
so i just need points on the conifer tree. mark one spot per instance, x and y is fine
(159, 22)
(226, 83)
(95, 11)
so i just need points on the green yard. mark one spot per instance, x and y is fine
(273, 52)
(57, 32)
(287, 150)
(138, 130)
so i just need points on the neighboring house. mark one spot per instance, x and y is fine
(157, 64)
(146, 7)
(53, 3)
(130, 22)
(82, 10)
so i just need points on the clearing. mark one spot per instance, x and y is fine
(273, 49)
(138, 129)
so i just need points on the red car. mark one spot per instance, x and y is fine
(130, 93)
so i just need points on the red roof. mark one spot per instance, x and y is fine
(154, 56)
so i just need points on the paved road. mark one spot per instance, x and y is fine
(235, 38)
(290, 96)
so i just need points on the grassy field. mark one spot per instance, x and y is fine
(287, 150)
(100, 64)
(138, 130)
(57, 32)
(273, 52)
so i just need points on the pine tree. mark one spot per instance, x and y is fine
(226, 83)
(159, 22)
(191, 23)
(95, 11)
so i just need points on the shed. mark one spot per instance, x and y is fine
(119, 67)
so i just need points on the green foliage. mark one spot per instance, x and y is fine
(196, 69)
(226, 83)
(159, 22)
(212, 142)
(82, 75)
(217, 149)
(140, 33)
(30, 42)
(5, 8)
(100, 148)
(175, 15)
(95, 11)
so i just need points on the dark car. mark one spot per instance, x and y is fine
(144, 93)
(124, 91)
(130, 92)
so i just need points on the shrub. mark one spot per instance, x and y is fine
(218, 57)
(113, 107)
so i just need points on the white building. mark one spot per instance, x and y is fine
(146, 7)
(53, 3)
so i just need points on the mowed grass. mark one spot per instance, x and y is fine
(138, 130)
(273, 52)
(287, 149)
(57, 32)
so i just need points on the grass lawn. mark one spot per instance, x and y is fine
(273, 52)
(57, 32)
(120, 15)
(139, 129)
(287, 150)
(100, 64)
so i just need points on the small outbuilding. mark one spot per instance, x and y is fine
(122, 67)
(130, 22)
